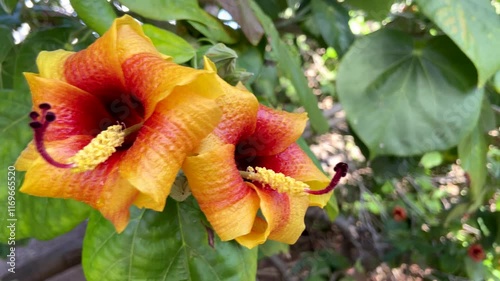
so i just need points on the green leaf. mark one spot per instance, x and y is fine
(289, 65)
(165, 10)
(474, 26)
(332, 20)
(169, 43)
(171, 245)
(405, 96)
(8, 5)
(45, 40)
(5, 49)
(475, 270)
(97, 14)
(472, 152)
(271, 248)
(332, 208)
(431, 159)
(375, 9)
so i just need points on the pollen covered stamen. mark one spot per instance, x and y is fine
(276, 181)
(99, 149)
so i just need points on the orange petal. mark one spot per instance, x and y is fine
(152, 79)
(102, 188)
(239, 116)
(275, 131)
(295, 163)
(229, 204)
(77, 112)
(97, 69)
(173, 131)
(284, 217)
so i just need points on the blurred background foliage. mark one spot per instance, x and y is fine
(406, 92)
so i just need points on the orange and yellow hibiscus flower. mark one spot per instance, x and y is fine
(114, 122)
(250, 163)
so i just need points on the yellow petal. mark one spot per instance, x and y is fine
(51, 63)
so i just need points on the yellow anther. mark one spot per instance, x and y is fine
(99, 149)
(276, 181)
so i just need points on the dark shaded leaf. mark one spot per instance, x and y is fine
(332, 21)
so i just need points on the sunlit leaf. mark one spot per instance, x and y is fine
(171, 245)
(170, 43)
(474, 26)
(97, 14)
(406, 96)
(165, 10)
(375, 9)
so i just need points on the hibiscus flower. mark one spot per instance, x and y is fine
(250, 178)
(114, 122)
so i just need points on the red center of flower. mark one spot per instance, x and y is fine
(246, 157)
(126, 110)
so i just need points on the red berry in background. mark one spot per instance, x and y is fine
(476, 252)
(399, 213)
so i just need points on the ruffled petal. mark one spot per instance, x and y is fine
(97, 69)
(101, 188)
(295, 163)
(284, 218)
(239, 116)
(151, 79)
(175, 129)
(51, 64)
(77, 112)
(229, 203)
(274, 132)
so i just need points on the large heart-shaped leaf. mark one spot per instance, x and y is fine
(171, 245)
(406, 96)
(473, 25)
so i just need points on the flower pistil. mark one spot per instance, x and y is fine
(285, 184)
(96, 152)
